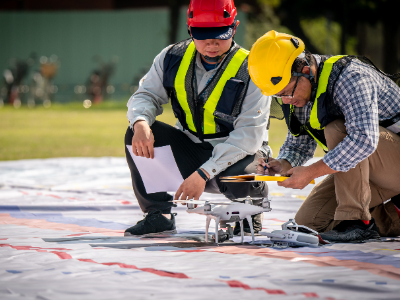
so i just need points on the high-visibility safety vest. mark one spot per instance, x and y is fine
(209, 113)
(323, 110)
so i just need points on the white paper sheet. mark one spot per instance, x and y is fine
(160, 174)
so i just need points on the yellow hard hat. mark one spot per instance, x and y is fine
(271, 59)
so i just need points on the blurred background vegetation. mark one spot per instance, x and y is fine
(68, 67)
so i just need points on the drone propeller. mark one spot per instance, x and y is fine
(188, 201)
(201, 202)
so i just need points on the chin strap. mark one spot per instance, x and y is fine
(311, 78)
(216, 59)
(213, 59)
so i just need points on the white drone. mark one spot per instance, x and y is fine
(226, 212)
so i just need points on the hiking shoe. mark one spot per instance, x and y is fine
(352, 231)
(154, 222)
(257, 225)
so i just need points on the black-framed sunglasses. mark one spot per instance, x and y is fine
(288, 96)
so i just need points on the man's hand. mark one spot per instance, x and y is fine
(273, 166)
(191, 188)
(302, 176)
(142, 140)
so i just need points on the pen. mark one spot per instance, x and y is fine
(265, 167)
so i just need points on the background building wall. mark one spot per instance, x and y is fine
(134, 36)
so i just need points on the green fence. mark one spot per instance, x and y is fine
(134, 36)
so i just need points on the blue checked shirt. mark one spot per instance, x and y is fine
(365, 97)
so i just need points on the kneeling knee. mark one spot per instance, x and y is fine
(304, 219)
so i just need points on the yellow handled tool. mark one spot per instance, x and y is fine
(255, 177)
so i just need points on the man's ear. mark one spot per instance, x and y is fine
(306, 70)
(235, 27)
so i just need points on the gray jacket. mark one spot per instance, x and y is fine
(249, 127)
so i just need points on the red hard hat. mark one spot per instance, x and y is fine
(211, 13)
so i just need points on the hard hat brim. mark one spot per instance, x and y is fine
(219, 33)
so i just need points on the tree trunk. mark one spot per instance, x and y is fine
(343, 38)
(293, 23)
(390, 46)
(174, 8)
(362, 37)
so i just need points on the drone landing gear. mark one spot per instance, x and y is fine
(221, 236)
(209, 217)
(250, 221)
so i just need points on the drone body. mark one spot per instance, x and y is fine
(226, 212)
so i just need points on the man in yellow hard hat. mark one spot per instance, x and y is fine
(350, 108)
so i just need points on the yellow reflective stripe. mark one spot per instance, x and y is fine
(211, 104)
(322, 85)
(181, 93)
(319, 143)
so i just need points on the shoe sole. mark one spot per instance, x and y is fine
(151, 234)
(372, 237)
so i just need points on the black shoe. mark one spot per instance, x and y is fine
(353, 231)
(154, 222)
(257, 225)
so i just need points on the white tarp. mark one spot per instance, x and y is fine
(61, 237)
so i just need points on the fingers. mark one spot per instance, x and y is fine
(197, 197)
(139, 151)
(134, 151)
(292, 183)
(143, 151)
(270, 172)
(143, 140)
(184, 196)
(273, 163)
(178, 193)
(260, 169)
(286, 183)
(181, 195)
(151, 151)
(261, 161)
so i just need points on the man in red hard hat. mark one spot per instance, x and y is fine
(222, 116)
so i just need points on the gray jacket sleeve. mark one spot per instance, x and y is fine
(146, 103)
(249, 127)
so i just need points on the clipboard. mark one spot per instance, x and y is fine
(255, 178)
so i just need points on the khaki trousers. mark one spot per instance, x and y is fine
(360, 192)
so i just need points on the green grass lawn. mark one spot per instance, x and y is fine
(69, 130)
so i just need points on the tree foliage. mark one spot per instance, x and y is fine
(350, 15)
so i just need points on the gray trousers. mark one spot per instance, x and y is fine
(189, 156)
